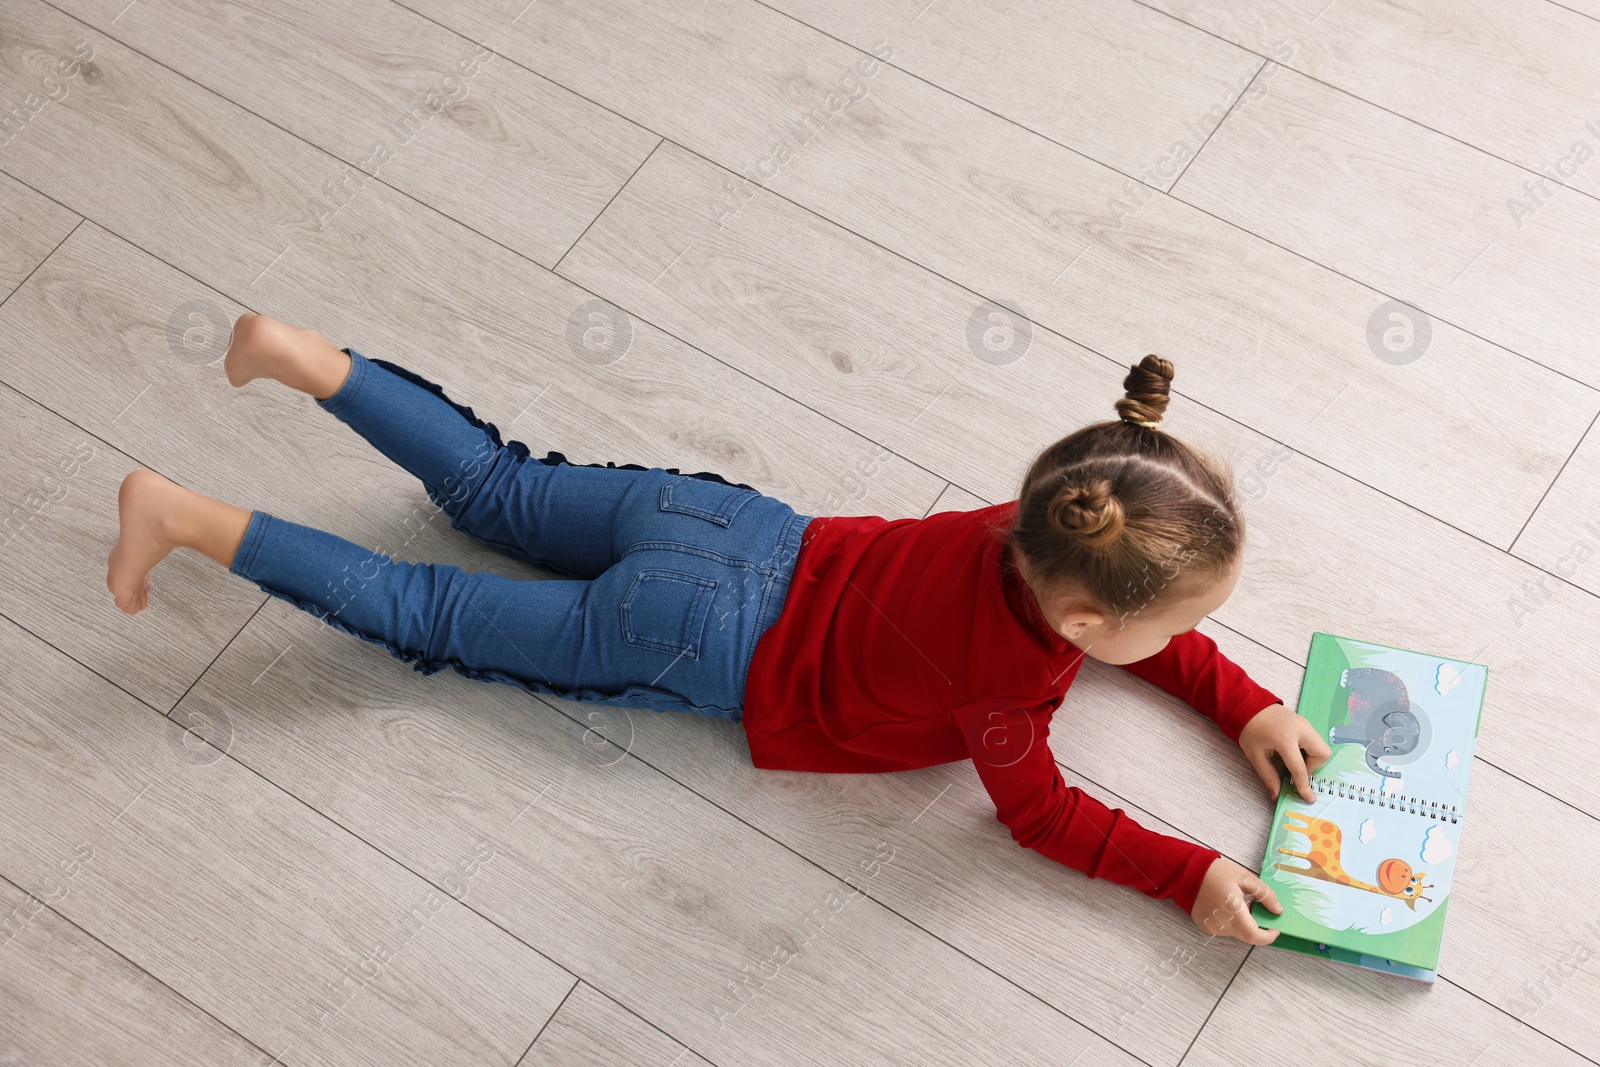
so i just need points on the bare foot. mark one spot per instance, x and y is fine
(263, 347)
(143, 503)
(256, 348)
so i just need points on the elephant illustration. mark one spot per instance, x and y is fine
(1381, 718)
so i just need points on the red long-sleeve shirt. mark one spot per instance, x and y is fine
(906, 643)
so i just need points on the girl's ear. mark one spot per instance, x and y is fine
(1074, 624)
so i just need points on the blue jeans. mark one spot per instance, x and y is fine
(674, 578)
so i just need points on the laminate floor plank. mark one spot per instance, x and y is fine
(592, 1028)
(396, 280)
(134, 348)
(1034, 226)
(1443, 227)
(1512, 77)
(682, 913)
(1327, 553)
(403, 101)
(865, 287)
(955, 498)
(1279, 1006)
(1498, 943)
(1113, 79)
(30, 226)
(659, 251)
(70, 1000)
(299, 936)
(1563, 537)
(927, 844)
(59, 486)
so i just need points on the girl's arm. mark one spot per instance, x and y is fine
(1194, 670)
(1191, 667)
(1010, 749)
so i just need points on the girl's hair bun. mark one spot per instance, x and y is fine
(1148, 386)
(1088, 511)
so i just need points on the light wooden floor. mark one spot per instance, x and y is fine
(573, 216)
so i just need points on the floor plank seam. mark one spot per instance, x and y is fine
(1371, 103)
(1248, 953)
(1520, 1022)
(24, 282)
(556, 267)
(1243, 95)
(1324, 464)
(846, 229)
(1478, 758)
(1574, 10)
(1232, 107)
(576, 982)
(1221, 414)
(354, 835)
(1582, 438)
(628, 753)
(243, 303)
(466, 226)
(850, 429)
(811, 47)
(145, 974)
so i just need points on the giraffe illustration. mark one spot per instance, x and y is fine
(1395, 877)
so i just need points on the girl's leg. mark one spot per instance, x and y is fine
(431, 613)
(640, 636)
(158, 516)
(546, 511)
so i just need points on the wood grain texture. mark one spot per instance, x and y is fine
(955, 498)
(927, 844)
(1280, 1001)
(1113, 79)
(399, 281)
(132, 347)
(1310, 560)
(58, 492)
(304, 939)
(1496, 944)
(831, 340)
(71, 1001)
(1445, 227)
(403, 101)
(661, 251)
(31, 224)
(1563, 537)
(1027, 223)
(682, 913)
(592, 1028)
(1512, 77)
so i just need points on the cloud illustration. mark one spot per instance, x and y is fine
(1369, 830)
(1452, 759)
(1436, 847)
(1385, 916)
(1446, 679)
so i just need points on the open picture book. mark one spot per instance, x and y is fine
(1364, 873)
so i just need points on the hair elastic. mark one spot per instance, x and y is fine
(1141, 422)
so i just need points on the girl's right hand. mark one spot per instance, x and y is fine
(1222, 907)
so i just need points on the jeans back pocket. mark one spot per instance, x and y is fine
(713, 501)
(666, 610)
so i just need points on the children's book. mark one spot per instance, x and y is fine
(1364, 873)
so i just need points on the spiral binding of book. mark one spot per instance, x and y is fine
(1430, 809)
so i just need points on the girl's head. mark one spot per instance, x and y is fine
(1127, 536)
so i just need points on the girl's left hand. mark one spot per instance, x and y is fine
(1277, 731)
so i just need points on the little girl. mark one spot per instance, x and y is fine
(841, 643)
